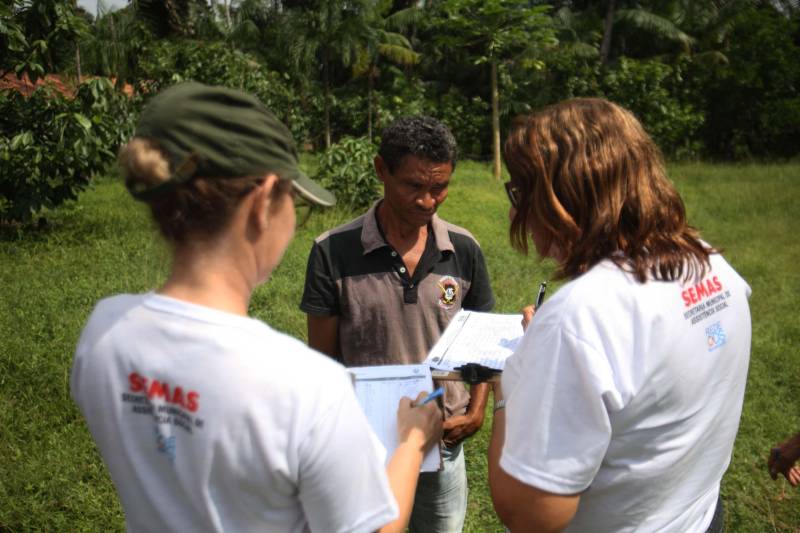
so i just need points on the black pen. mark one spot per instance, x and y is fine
(540, 296)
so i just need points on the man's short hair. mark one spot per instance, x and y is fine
(421, 136)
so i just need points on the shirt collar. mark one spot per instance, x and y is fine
(371, 238)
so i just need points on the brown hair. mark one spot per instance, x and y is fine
(196, 209)
(592, 185)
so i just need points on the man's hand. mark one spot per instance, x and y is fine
(461, 427)
(782, 460)
(458, 428)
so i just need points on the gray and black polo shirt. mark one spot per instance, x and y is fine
(385, 315)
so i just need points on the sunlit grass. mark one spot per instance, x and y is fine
(52, 479)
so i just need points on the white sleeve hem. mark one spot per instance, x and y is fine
(541, 480)
(374, 522)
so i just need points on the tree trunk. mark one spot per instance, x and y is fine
(78, 62)
(227, 4)
(495, 123)
(327, 100)
(608, 27)
(370, 82)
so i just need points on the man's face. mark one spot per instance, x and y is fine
(415, 189)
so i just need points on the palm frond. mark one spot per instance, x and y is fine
(398, 54)
(655, 24)
(245, 32)
(564, 18)
(579, 49)
(404, 19)
(395, 39)
(711, 58)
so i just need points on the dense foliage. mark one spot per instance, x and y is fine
(711, 78)
(653, 90)
(51, 144)
(752, 103)
(217, 63)
(346, 168)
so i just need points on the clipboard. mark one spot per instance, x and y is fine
(477, 341)
(379, 389)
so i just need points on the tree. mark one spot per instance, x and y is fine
(326, 32)
(382, 43)
(39, 36)
(13, 43)
(116, 44)
(170, 18)
(635, 17)
(496, 33)
(753, 101)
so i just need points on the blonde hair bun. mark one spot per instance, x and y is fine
(143, 164)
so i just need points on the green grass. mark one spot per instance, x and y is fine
(51, 477)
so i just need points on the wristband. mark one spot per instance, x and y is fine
(499, 404)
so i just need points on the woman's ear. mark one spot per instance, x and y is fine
(261, 202)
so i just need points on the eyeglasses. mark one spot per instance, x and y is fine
(302, 210)
(513, 194)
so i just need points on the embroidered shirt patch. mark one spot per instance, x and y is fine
(448, 294)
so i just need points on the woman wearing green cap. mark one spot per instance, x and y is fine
(209, 420)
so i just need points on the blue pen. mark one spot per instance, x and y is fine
(432, 396)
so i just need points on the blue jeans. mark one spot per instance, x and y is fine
(440, 504)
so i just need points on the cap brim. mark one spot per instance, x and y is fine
(311, 191)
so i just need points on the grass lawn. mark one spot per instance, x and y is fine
(51, 477)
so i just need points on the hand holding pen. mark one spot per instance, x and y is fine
(529, 310)
(430, 397)
(419, 422)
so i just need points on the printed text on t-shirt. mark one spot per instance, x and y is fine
(705, 298)
(154, 388)
(167, 403)
(704, 289)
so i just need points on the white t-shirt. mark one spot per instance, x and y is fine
(631, 394)
(210, 421)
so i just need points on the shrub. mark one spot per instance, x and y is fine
(216, 63)
(649, 89)
(346, 168)
(753, 102)
(469, 119)
(51, 144)
(401, 96)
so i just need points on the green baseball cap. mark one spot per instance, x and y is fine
(216, 132)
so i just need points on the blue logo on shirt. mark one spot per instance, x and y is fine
(166, 445)
(715, 336)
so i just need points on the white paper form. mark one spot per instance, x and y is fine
(473, 337)
(379, 389)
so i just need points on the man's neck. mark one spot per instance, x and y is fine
(397, 232)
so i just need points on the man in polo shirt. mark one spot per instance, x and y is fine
(382, 288)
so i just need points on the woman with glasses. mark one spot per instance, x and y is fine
(619, 409)
(209, 420)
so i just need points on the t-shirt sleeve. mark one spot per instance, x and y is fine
(480, 296)
(558, 389)
(320, 295)
(343, 483)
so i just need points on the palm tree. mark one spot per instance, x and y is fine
(636, 16)
(325, 33)
(380, 44)
(113, 46)
(169, 17)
